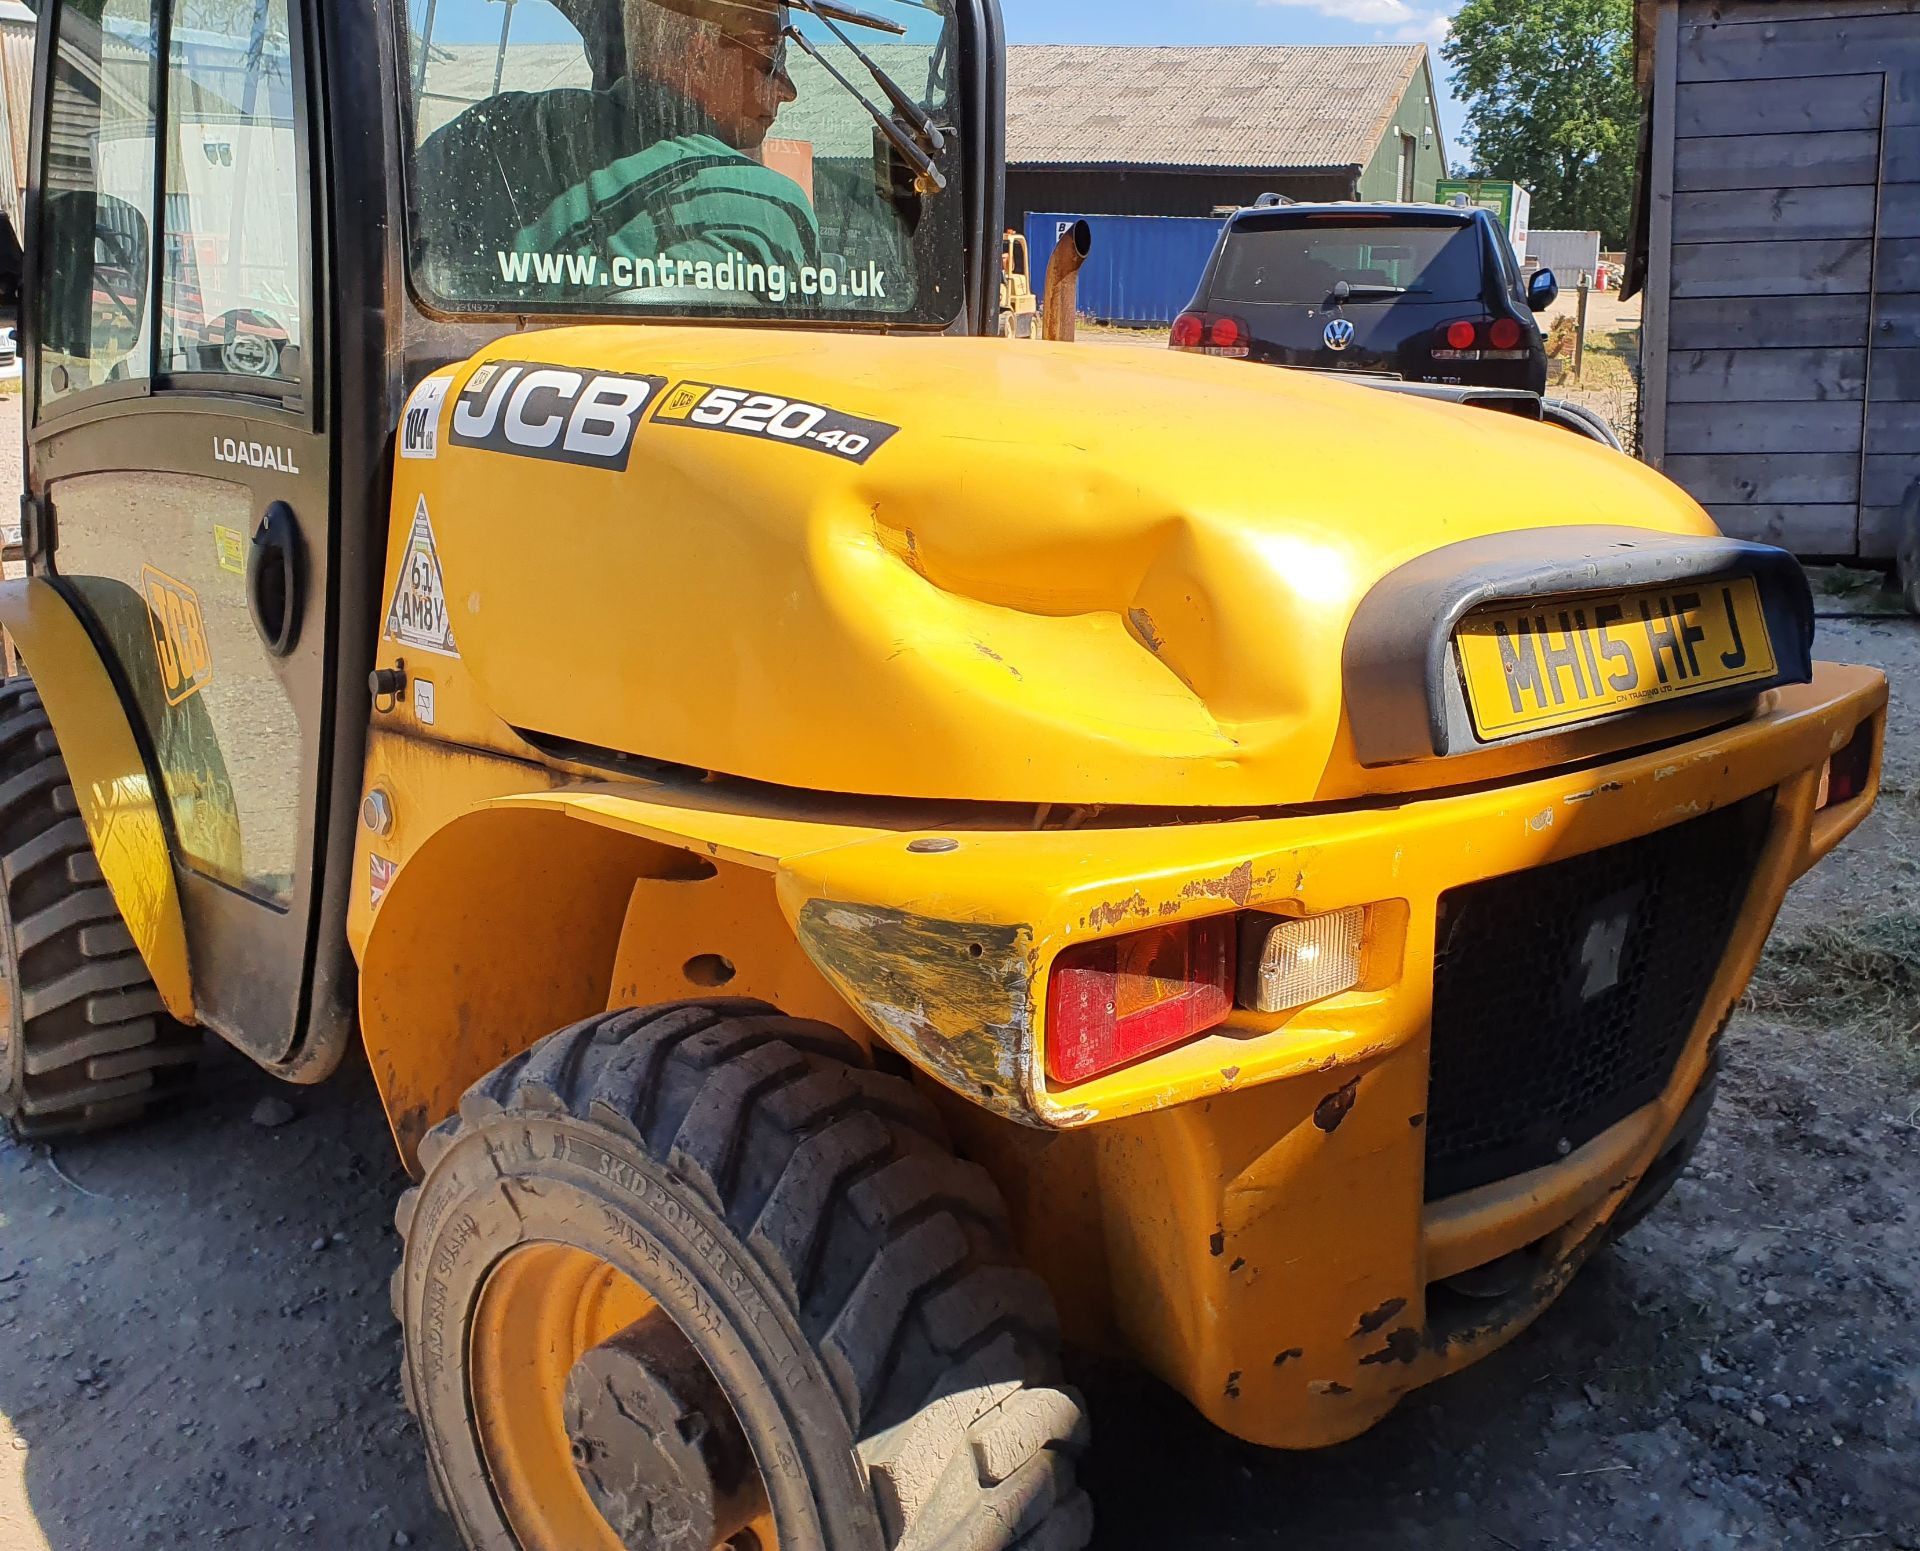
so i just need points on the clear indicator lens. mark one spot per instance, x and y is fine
(1291, 963)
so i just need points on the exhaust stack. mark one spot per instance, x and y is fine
(1063, 283)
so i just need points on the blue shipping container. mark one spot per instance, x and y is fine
(1141, 270)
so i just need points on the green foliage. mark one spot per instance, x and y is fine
(1551, 103)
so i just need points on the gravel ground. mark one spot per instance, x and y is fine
(195, 1348)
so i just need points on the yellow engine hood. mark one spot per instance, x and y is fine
(1074, 574)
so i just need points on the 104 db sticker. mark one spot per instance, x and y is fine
(741, 412)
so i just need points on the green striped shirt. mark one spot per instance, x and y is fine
(633, 172)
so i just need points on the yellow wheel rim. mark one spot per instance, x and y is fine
(543, 1308)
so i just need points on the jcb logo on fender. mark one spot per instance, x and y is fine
(179, 635)
(535, 411)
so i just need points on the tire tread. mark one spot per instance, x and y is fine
(893, 1255)
(93, 1044)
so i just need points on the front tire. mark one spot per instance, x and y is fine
(85, 1041)
(805, 1308)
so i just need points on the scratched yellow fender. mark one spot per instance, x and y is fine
(870, 675)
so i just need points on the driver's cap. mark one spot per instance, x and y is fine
(759, 20)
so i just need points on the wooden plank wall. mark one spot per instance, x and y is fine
(1792, 308)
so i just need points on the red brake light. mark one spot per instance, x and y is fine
(1113, 1001)
(1187, 331)
(1849, 771)
(1461, 335)
(1225, 333)
(1504, 335)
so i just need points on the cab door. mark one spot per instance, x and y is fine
(177, 464)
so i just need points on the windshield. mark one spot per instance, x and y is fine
(1304, 262)
(679, 157)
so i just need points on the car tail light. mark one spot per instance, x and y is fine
(1504, 335)
(1462, 335)
(1848, 772)
(1210, 334)
(1116, 1000)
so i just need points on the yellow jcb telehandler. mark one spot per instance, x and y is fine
(857, 853)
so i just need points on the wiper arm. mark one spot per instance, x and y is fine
(1376, 290)
(825, 10)
(905, 106)
(828, 11)
(928, 178)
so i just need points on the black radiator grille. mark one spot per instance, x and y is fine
(1563, 996)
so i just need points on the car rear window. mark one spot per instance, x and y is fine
(1303, 263)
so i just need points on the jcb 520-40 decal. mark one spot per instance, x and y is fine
(703, 406)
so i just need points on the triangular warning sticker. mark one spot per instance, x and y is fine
(418, 616)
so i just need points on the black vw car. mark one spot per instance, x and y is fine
(1423, 293)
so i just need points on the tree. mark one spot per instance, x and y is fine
(1551, 103)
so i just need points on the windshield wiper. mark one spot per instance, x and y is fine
(825, 10)
(914, 146)
(905, 106)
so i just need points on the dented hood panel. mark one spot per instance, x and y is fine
(1052, 574)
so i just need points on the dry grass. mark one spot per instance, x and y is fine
(1852, 593)
(1862, 974)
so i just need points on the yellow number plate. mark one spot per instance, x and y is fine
(1570, 660)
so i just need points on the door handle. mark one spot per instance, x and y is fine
(274, 579)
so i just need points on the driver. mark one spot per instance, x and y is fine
(661, 166)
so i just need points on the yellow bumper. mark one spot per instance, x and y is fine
(1248, 1213)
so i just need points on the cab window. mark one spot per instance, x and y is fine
(230, 261)
(97, 200)
(231, 299)
(684, 157)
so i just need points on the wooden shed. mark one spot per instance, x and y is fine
(1779, 247)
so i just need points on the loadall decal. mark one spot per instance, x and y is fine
(742, 412)
(418, 614)
(529, 410)
(179, 635)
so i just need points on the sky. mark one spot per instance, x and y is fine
(1245, 21)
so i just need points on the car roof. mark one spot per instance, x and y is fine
(1359, 207)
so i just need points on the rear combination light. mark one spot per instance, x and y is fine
(1226, 334)
(1121, 998)
(1458, 341)
(1287, 964)
(1849, 771)
(1506, 341)
(1210, 334)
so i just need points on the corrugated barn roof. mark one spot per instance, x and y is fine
(1291, 108)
